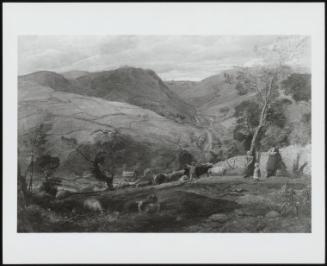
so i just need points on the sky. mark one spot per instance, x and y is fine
(171, 57)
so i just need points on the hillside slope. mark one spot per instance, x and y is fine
(216, 97)
(153, 140)
(130, 85)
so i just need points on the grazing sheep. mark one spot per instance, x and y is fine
(159, 179)
(217, 171)
(203, 169)
(184, 178)
(149, 205)
(63, 194)
(92, 205)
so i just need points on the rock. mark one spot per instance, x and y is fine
(218, 217)
(272, 214)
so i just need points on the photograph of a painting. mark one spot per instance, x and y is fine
(162, 133)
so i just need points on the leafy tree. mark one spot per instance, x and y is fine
(241, 89)
(105, 155)
(266, 80)
(47, 164)
(34, 142)
(247, 115)
(298, 86)
(184, 158)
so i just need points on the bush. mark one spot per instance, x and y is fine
(298, 86)
(241, 90)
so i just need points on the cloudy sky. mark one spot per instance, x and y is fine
(172, 57)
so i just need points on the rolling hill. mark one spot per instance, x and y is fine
(151, 139)
(135, 86)
(216, 97)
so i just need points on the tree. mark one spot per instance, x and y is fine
(241, 89)
(298, 86)
(266, 81)
(22, 189)
(47, 163)
(35, 144)
(184, 158)
(104, 155)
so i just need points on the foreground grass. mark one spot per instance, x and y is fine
(225, 204)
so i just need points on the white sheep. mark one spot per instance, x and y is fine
(217, 171)
(93, 205)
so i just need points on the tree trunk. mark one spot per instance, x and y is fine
(22, 189)
(32, 170)
(255, 138)
(262, 121)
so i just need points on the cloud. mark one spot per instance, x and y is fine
(172, 57)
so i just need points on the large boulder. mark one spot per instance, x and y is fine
(294, 157)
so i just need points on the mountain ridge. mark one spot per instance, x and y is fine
(141, 87)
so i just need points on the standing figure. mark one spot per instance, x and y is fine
(250, 160)
(109, 180)
(192, 168)
(256, 172)
(101, 173)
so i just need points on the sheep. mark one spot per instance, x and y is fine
(92, 205)
(63, 194)
(217, 171)
(149, 205)
(159, 179)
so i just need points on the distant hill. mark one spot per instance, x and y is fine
(130, 85)
(74, 74)
(213, 95)
(48, 79)
(216, 97)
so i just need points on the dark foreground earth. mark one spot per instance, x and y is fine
(213, 204)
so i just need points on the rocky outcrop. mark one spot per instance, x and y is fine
(296, 158)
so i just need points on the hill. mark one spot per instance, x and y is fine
(130, 85)
(64, 122)
(217, 98)
(74, 74)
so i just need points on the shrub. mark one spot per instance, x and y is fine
(298, 86)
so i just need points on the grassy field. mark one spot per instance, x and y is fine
(211, 204)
